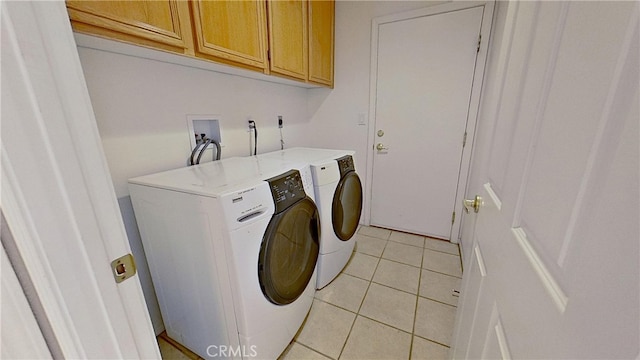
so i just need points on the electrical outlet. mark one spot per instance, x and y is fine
(280, 121)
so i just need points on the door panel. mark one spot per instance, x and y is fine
(155, 16)
(576, 92)
(21, 335)
(232, 31)
(321, 41)
(495, 345)
(494, 88)
(560, 245)
(423, 92)
(514, 57)
(288, 40)
(160, 24)
(473, 286)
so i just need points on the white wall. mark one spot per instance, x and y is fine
(141, 107)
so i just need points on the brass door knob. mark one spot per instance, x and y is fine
(380, 147)
(474, 204)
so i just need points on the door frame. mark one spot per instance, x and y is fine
(57, 196)
(501, 42)
(472, 116)
(25, 340)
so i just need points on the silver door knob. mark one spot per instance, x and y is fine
(474, 204)
(380, 147)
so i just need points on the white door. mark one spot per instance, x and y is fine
(553, 269)
(58, 198)
(20, 336)
(424, 83)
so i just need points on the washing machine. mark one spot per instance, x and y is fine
(338, 191)
(232, 246)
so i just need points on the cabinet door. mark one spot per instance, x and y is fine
(160, 24)
(321, 41)
(288, 41)
(231, 32)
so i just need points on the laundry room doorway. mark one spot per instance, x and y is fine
(427, 70)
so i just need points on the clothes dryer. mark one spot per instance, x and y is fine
(338, 191)
(232, 246)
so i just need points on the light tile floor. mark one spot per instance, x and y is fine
(393, 300)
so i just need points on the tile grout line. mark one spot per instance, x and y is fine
(362, 302)
(424, 297)
(441, 273)
(425, 239)
(385, 324)
(438, 301)
(338, 306)
(440, 251)
(295, 339)
(433, 341)
(369, 318)
(314, 350)
(415, 310)
(402, 291)
(403, 263)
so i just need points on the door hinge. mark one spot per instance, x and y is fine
(123, 267)
(464, 139)
(453, 218)
(479, 41)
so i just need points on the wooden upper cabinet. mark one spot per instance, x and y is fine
(232, 32)
(159, 24)
(321, 41)
(288, 39)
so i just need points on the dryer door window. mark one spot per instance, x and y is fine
(347, 206)
(289, 252)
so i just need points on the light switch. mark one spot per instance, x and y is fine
(362, 120)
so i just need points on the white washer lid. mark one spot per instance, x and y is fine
(310, 156)
(217, 177)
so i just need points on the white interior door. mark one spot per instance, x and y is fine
(57, 196)
(553, 271)
(20, 336)
(425, 72)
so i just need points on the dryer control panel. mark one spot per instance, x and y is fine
(346, 164)
(286, 189)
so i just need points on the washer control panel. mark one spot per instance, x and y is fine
(345, 164)
(286, 189)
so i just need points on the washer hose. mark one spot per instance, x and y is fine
(193, 153)
(252, 126)
(203, 146)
